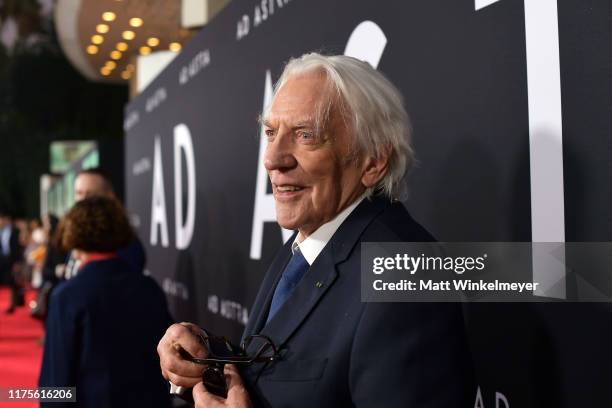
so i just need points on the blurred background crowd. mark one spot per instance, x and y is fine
(67, 70)
(82, 275)
(30, 255)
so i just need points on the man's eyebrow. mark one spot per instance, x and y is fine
(302, 123)
(261, 119)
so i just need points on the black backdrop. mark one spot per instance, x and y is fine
(463, 72)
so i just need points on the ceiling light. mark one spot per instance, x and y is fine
(110, 64)
(92, 49)
(102, 28)
(115, 55)
(153, 42)
(145, 50)
(105, 71)
(136, 22)
(126, 75)
(108, 16)
(176, 47)
(128, 35)
(97, 39)
(121, 46)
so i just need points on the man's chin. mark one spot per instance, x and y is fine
(286, 221)
(287, 225)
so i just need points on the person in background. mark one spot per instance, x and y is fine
(11, 259)
(95, 182)
(35, 252)
(105, 317)
(23, 226)
(54, 256)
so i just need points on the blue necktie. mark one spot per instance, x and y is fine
(291, 276)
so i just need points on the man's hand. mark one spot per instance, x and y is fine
(237, 395)
(182, 338)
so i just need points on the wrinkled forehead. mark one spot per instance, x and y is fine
(320, 97)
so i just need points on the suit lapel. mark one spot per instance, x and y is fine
(318, 279)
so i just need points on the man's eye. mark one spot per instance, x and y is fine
(306, 135)
(269, 132)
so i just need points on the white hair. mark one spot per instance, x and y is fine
(372, 106)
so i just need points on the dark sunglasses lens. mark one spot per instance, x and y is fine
(214, 381)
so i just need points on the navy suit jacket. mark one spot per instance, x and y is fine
(340, 352)
(101, 336)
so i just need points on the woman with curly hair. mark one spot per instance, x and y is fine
(105, 319)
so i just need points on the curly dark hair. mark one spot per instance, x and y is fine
(96, 224)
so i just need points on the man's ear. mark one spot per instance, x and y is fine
(374, 169)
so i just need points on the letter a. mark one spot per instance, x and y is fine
(479, 402)
(264, 210)
(367, 42)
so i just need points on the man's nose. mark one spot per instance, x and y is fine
(280, 154)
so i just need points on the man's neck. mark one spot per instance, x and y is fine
(313, 244)
(304, 233)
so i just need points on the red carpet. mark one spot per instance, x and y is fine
(20, 354)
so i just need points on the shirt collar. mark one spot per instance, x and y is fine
(5, 236)
(6, 232)
(312, 246)
(96, 256)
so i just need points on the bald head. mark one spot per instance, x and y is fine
(92, 184)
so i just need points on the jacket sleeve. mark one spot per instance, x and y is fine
(411, 355)
(60, 357)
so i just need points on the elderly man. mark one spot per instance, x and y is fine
(338, 148)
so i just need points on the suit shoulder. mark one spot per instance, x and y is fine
(69, 293)
(91, 278)
(395, 224)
